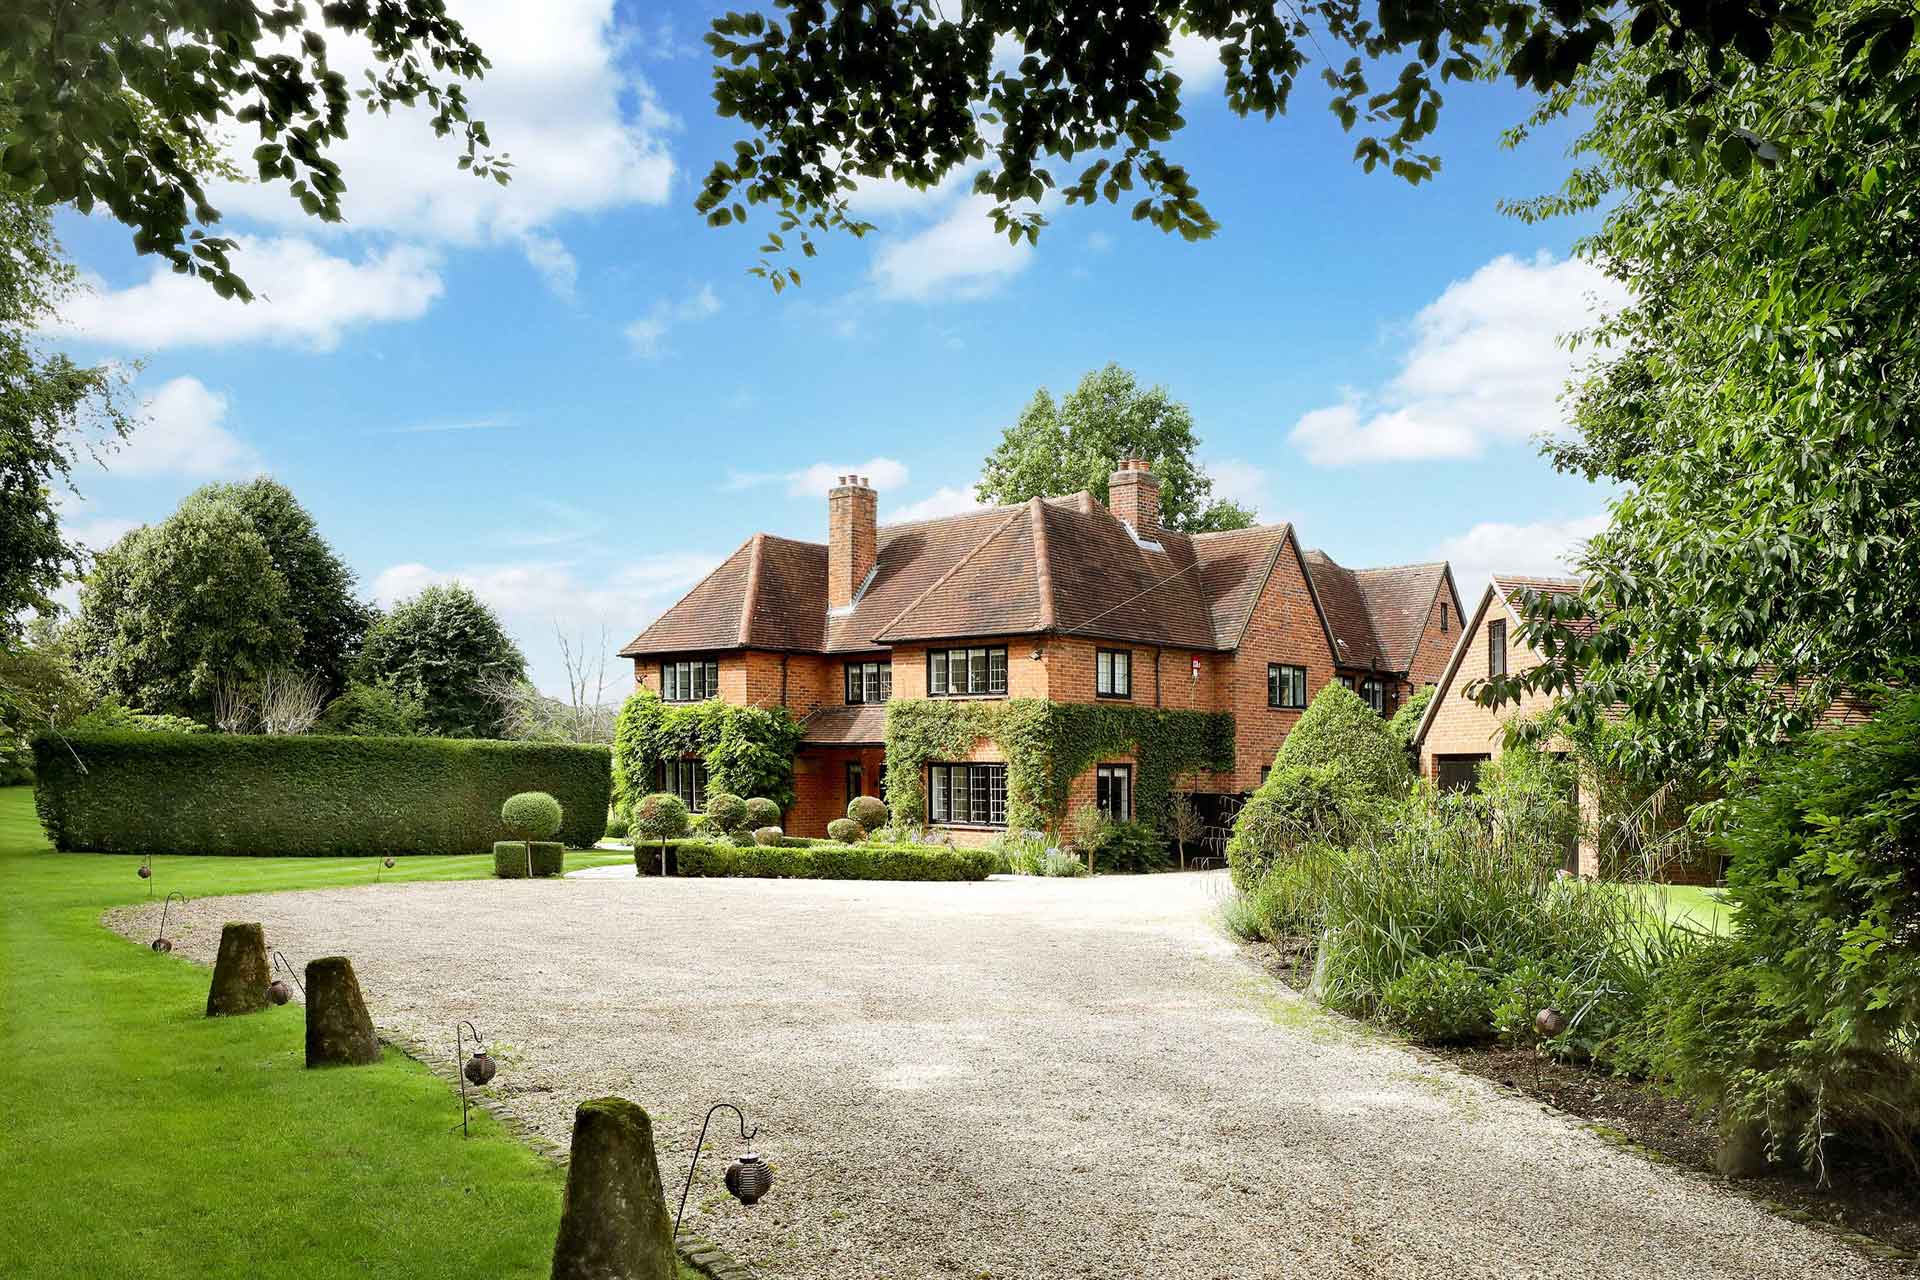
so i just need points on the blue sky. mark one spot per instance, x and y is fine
(569, 393)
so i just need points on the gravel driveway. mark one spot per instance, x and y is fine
(1020, 1078)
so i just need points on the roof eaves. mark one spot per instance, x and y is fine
(628, 650)
(1313, 593)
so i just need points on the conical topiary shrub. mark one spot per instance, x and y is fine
(240, 974)
(614, 1224)
(339, 1029)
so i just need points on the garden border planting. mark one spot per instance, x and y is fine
(817, 860)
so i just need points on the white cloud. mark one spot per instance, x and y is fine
(883, 197)
(948, 500)
(1485, 365)
(1196, 60)
(554, 261)
(181, 432)
(814, 481)
(584, 135)
(960, 256)
(534, 597)
(1545, 547)
(1237, 480)
(647, 334)
(305, 297)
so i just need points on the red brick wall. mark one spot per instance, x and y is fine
(1436, 646)
(1285, 628)
(820, 786)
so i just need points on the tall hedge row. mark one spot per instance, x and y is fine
(305, 795)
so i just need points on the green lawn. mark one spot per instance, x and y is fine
(1690, 904)
(144, 1139)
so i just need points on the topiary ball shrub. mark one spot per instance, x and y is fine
(1439, 1000)
(727, 812)
(768, 836)
(659, 816)
(511, 858)
(531, 815)
(869, 811)
(762, 812)
(846, 831)
(1298, 806)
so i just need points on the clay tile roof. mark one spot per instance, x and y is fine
(770, 594)
(1512, 585)
(846, 726)
(1356, 643)
(1234, 566)
(1399, 601)
(911, 557)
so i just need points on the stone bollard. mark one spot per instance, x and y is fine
(614, 1224)
(1742, 1149)
(240, 974)
(339, 1032)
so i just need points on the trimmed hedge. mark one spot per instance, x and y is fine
(793, 860)
(305, 795)
(510, 858)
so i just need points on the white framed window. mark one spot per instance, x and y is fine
(1113, 791)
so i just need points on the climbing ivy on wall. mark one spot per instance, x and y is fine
(1047, 745)
(748, 751)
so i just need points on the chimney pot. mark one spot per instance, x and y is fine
(1133, 495)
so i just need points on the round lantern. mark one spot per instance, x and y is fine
(161, 945)
(480, 1068)
(749, 1178)
(1549, 1022)
(278, 991)
(387, 862)
(145, 872)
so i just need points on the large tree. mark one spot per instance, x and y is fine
(1075, 443)
(1759, 397)
(118, 104)
(329, 619)
(1086, 103)
(174, 610)
(446, 650)
(52, 411)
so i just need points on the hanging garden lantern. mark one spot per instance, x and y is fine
(1549, 1022)
(278, 991)
(480, 1068)
(749, 1178)
(162, 943)
(146, 868)
(476, 1070)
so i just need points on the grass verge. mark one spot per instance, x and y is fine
(146, 1139)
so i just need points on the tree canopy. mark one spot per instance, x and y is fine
(1073, 444)
(1758, 396)
(1079, 97)
(445, 650)
(120, 104)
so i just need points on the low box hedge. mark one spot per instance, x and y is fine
(815, 860)
(510, 858)
(309, 795)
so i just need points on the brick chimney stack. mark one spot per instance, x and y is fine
(853, 538)
(1133, 495)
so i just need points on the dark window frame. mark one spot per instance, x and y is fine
(686, 778)
(1277, 686)
(1117, 660)
(1104, 778)
(855, 681)
(700, 673)
(984, 785)
(856, 780)
(1373, 692)
(1497, 647)
(1443, 619)
(940, 662)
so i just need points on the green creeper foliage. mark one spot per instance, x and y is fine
(846, 831)
(870, 812)
(245, 794)
(122, 105)
(446, 649)
(726, 811)
(1088, 104)
(1406, 721)
(747, 750)
(762, 812)
(1074, 445)
(1047, 745)
(1753, 403)
(531, 815)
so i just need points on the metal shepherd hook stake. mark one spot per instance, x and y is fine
(162, 944)
(748, 1178)
(479, 1069)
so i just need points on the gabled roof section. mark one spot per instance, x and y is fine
(770, 594)
(862, 726)
(1399, 600)
(1235, 565)
(1355, 642)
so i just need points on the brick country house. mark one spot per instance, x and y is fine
(1062, 599)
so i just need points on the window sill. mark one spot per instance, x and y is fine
(968, 697)
(1113, 697)
(1271, 707)
(968, 826)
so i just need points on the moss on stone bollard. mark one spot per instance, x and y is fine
(339, 1032)
(614, 1225)
(240, 974)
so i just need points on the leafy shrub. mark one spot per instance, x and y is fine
(747, 750)
(1129, 847)
(1343, 733)
(1808, 1023)
(1028, 853)
(1532, 797)
(305, 794)
(1518, 998)
(1439, 1000)
(762, 812)
(1288, 901)
(510, 858)
(1406, 721)
(869, 811)
(110, 716)
(769, 836)
(1056, 862)
(846, 831)
(616, 825)
(531, 815)
(371, 711)
(727, 812)
(1298, 805)
(659, 816)
(831, 862)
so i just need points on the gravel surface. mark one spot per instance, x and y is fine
(1019, 1078)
